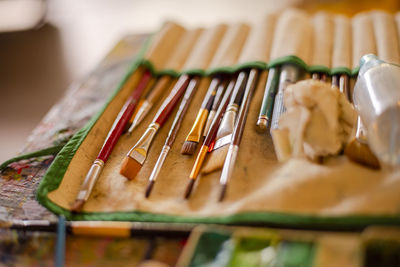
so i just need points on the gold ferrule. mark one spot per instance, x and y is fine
(228, 121)
(232, 107)
(262, 123)
(199, 162)
(197, 128)
(90, 179)
(139, 151)
(140, 115)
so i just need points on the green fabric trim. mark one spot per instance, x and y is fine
(40, 153)
(341, 70)
(55, 174)
(288, 59)
(319, 68)
(354, 72)
(156, 72)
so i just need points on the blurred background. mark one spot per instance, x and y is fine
(45, 45)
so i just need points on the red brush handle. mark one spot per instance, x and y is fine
(123, 118)
(170, 102)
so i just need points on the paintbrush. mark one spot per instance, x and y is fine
(176, 124)
(289, 74)
(209, 138)
(103, 228)
(224, 134)
(152, 96)
(196, 132)
(357, 149)
(237, 134)
(135, 158)
(110, 142)
(267, 105)
(215, 105)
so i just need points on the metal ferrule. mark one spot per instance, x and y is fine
(228, 121)
(159, 163)
(229, 164)
(262, 123)
(199, 162)
(209, 121)
(90, 180)
(139, 151)
(197, 128)
(140, 115)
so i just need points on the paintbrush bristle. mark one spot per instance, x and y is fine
(189, 148)
(222, 192)
(361, 153)
(130, 168)
(149, 188)
(78, 205)
(215, 160)
(189, 188)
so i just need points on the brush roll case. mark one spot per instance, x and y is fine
(336, 194)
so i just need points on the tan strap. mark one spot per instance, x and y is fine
(293, 35)
(205, 48)
(163, 43)
(183, 49)
(363, 37)
(259, 41)
(322, 39)
(342, 49)
(387, 42)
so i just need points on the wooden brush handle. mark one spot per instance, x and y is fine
(238, 91)
(183, 107)
(209, 97)
(218, 95)
(159, 88)
(123, 118)
(172, 99)
(220, 112)
(244, 108)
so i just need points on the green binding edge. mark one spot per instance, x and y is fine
(56, 171)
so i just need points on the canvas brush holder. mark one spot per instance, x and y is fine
(338, 193)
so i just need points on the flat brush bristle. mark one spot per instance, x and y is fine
(223, 192)
(149, 188)
(362, 154)
(78, 205)
(130, 168)
(189, 148)
(215, 160)
(189, 188)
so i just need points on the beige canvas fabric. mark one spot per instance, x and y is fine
(363, 37)
(335, 188)
(163, 43)
(259, 41)
(387, 42)
(322, 39)
(342, 49)
(230, 47)
(293, 36)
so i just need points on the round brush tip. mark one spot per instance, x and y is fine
(149, 188)
(222, 192)
(189, 188)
